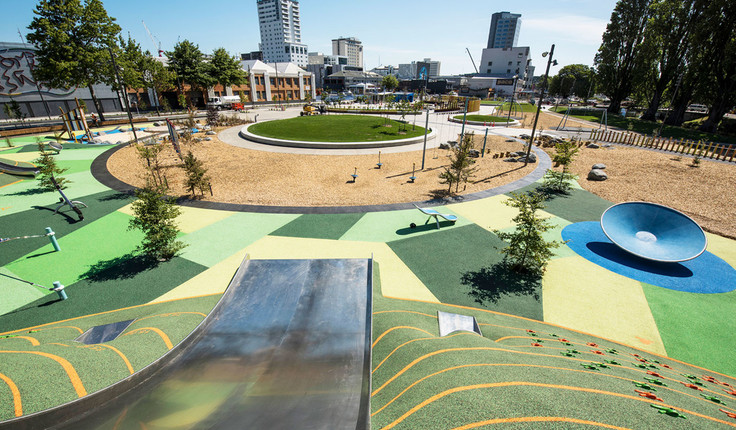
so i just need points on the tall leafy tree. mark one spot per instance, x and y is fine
(573, 79)
(72, 40)
(187, 62)
(667, 40)
(618, 60)
(716, 38)
(157, 77)
(225, 69)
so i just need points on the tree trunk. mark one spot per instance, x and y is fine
(651, 113)
(615, 106)
(97, 103)
(715, 116)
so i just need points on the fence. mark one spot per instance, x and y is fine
(715, 151)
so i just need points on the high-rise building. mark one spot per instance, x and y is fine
(351, 48)
(505, 28)
(281, 38)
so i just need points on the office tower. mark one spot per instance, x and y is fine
(505, 28)
(281, 39)
(351, 48)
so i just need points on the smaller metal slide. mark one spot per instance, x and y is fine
(18, 170)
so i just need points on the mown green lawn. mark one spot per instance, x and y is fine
(336, 128)
(482, 118)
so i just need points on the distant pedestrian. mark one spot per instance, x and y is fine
(94, 121)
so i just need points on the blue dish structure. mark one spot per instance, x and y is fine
(653, 231)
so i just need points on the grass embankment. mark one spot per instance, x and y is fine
(337, 128)
(646, 127)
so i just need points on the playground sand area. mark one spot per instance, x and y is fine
(704, 193)
(266, 178)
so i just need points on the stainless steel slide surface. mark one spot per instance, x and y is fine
(288, 349)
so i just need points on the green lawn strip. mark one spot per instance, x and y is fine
(454, 409)
(119, 282)
(14, 293)
(440, 261)
(395, 225)
(319, 226)
(44, 384)
(335, 128)
(81, 251)
(525, 107)
(648, 127)
(34, 221)
(695, 328)
(575, 206)
(491, 102)
(482, 118)
(212, 244)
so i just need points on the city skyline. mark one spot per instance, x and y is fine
(391, 33)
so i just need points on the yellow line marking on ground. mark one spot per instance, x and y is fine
(33, 341)
(54, 343)
(540, 385)
(396, 328)
(163, 336)
(414, 340)
(408, 312)
(169, 314)
(108, 312)
(7, 185)
(674, 360)
(538, 420)
(17, 405)
(65, 326)
(125, 359)
(73, 376)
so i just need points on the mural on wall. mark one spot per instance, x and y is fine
(16, 77)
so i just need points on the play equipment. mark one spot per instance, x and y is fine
(74, 120)
(355, 174)
(436, 215)
(379, 160)
(56, 146)
(58, 288)
(450, 323)
(18, 170)
(174, 137)
(64, 201)
(653, 231)
(49, 233)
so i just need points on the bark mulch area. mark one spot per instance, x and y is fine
(705, 193)
(264, 178)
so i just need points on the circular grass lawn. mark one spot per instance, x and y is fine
(336, 128)
(482, 118)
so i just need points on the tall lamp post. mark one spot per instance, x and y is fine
(539, 103)
(511, 106)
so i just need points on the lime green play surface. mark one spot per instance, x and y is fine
(336, 128)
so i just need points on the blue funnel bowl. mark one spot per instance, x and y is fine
(653, 231)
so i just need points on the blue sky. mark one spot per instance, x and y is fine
(392, 31)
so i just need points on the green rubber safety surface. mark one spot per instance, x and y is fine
(319, 226)
(575, 206)
(695, 328)
(336, 128)
(35, 220)
(462, 266)
(123, 281)
(43, 383)
(14, 293)
(395, 225)
(214, 243)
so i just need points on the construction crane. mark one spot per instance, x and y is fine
(153, 39)
(471, 59)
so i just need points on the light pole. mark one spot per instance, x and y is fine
(511, 106)
(539, 103)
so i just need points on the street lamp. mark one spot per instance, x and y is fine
(539, 103)
(511, 106)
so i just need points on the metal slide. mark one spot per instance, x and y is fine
(18, 170)
(287, 347)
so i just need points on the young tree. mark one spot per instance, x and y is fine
(72, 41)
(155, 215)
(560, 181)
(197, 178)
(47, 168)
(527, 251)
(461, 165)
(12, 110)
(619, 58)
(187, 62)
(151, 153)
(213, 116)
